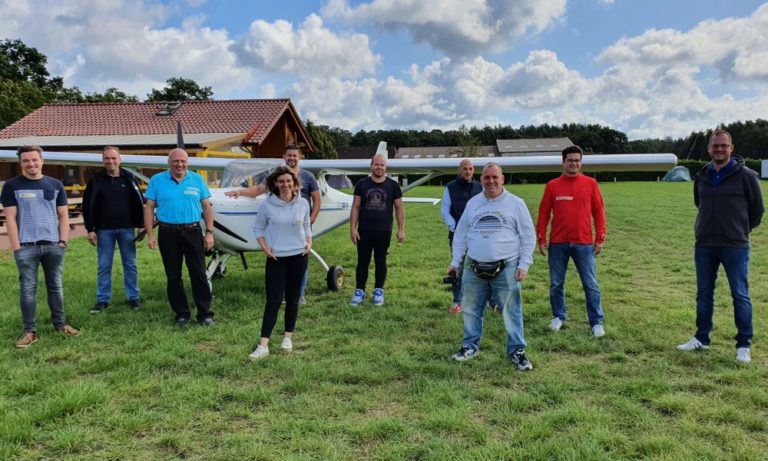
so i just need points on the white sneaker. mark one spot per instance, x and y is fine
(692, 345)
(260, 353)
(287, 345)
(598, 331)
(302, 300)
(556, 324)
(742, 355)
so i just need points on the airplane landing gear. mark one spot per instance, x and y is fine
(334, 275)
(335, 278)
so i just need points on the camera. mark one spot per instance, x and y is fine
(451, 278)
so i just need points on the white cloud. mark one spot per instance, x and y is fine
(730, 46)
(96, 44)
(458, 28)
(660, 82)
(312, 49)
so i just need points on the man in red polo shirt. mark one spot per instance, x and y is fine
(574, 202)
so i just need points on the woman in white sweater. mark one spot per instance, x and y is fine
(283, 231)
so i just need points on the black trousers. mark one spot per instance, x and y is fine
(376, 242)
(282, 279)
(188, 245)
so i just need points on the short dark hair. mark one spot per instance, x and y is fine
(719, 133)
(279, 171)
(291, 147)
(574, 149)
(29, 148)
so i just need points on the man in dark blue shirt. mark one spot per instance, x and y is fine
(730, 204)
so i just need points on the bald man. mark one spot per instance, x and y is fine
(181, 199)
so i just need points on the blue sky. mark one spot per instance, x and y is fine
(649, 68)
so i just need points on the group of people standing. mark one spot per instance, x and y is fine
(493, 238)
(491, 233)
(494, 230)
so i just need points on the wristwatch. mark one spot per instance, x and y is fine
(208, 231)
(63, 243)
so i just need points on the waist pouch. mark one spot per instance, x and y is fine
(489, 270)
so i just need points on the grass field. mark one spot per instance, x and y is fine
(377, 383)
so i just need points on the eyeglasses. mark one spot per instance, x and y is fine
(719, 146)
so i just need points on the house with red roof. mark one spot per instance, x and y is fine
(247, 127)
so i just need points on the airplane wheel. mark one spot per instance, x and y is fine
(220, 272)
(335, 278)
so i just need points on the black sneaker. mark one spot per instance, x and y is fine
(98, 308)
(519, 359)
(182, 322)
(134, 304)
(206, 322)
(465, 353)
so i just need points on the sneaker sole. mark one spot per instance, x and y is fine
(464, 359)
(256, 359)
(700, 348)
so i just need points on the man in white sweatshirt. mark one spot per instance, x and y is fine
(497, 235)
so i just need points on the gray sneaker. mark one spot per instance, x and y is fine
(464, 354)
(743, 355)
(598, 331)
(692, 345)
(99, 307)
(518, 358)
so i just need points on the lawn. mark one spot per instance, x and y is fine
(378, 383)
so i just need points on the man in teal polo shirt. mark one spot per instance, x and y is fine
(181, 197)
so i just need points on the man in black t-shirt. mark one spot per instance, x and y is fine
(113, 208)
(370, 227)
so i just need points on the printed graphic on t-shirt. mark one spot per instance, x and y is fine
(375, 200)
(488, 223)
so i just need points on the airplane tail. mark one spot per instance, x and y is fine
(179, 136)
(382, 149)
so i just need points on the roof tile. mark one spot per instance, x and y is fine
(233, 116)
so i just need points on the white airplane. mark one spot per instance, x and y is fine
(233, 217)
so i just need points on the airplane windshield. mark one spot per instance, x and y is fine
(246, 173)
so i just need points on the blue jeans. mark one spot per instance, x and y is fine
(736, 264)
(28, 259)
(584, 258)
(503, 288)
(105, 248)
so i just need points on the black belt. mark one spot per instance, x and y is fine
(39, 242)
(163, 225)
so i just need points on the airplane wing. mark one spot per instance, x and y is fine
(130, 161)
(548, 163)
(539, 163)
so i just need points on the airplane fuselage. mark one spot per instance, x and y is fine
(234, 217)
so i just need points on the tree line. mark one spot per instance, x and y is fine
(26, 84)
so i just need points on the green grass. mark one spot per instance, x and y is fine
(377, 383)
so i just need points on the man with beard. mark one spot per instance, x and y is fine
(370, 227)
